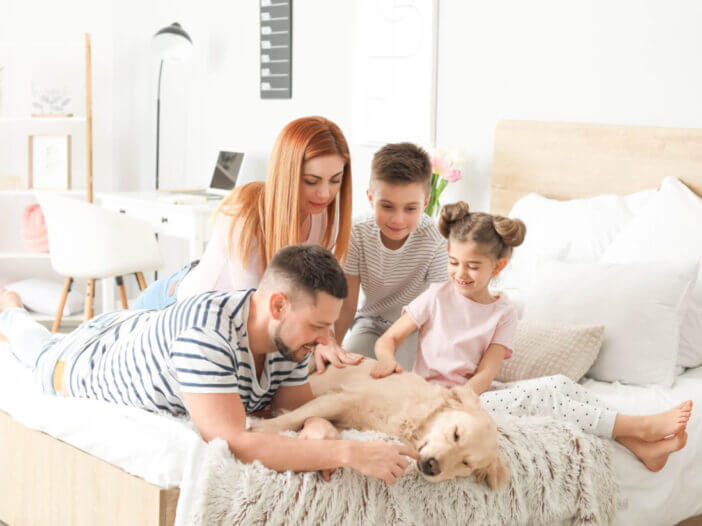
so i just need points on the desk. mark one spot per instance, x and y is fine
(186, 221)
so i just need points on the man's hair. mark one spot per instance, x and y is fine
(308, 269)
(401, 163)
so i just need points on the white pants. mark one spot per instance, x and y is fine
(557, 396)
(365, 332)
(27, 337)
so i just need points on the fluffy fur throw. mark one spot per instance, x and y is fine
(559, 476)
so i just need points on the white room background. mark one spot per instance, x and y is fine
(626, 62)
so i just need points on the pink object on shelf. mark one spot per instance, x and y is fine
(34, 234)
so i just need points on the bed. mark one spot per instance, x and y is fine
(566, 161)
(126, 467)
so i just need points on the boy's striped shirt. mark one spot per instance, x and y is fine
(391, 279)
(147, 359)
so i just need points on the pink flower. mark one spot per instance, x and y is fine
(440, 165)
(453, 175)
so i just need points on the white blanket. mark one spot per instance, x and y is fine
(559, 475)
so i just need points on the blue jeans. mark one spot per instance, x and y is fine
(159, 295)
(31, 343)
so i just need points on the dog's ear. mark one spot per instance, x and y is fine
(465, 395)
(497, 473)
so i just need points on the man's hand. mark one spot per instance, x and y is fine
(382, 460)
(333, 353)
(320, 429)
(385, 367)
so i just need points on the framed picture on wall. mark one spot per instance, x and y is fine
(50, 162)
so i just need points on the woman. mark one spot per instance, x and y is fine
(306, 198)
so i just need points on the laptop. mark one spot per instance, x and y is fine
(224, 177)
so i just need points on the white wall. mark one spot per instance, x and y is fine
(212, 102)
(620, 62)
(625, 62)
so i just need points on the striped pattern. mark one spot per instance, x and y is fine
(391, 279)
(147, 359)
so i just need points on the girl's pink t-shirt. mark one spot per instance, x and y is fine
(218, 270)
(455, 331)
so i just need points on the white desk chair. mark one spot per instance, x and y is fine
(90, 242)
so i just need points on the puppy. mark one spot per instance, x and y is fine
(454, 435)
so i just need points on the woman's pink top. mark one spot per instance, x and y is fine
(219, 269)
(455, 331)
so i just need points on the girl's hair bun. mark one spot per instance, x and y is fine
(512, 231)
(451, 214)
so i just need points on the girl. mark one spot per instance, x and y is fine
(465, 333)
(306, 198)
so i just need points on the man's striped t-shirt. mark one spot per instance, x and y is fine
(147, 359)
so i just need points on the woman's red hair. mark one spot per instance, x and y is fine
(270, 212)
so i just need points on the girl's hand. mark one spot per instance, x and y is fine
(333, 353)
(385, 367)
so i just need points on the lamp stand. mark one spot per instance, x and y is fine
(158, 134)
(158, 119)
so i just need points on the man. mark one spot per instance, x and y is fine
(216, 356)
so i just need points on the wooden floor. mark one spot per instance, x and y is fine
(44, 481)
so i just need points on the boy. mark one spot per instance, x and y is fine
(393, 255)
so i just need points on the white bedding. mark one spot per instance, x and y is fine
(674, 493)
(154, 447)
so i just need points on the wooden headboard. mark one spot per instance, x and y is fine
(572, 160)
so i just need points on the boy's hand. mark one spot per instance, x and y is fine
(333, 353)
(320, 429)
(385, 367)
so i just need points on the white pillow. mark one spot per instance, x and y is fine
(635, 202)
(547, 350)
(640, 305)
(668, 229)
(575, 230)
(43, 296)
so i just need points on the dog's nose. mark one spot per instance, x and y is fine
(429, 466)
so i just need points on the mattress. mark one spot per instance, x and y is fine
(162, 449)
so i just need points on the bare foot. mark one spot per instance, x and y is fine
(10, 300)
(653, 428)
(654, 455)
(671, 422)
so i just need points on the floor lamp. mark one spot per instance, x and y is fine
(170, 43)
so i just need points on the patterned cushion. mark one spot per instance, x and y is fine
(546, 350)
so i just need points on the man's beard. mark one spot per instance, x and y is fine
(287, 352)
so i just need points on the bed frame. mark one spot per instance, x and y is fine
(44, 481)
(573, 160)
(569, 160)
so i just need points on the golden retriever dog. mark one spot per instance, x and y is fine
(454, 435)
